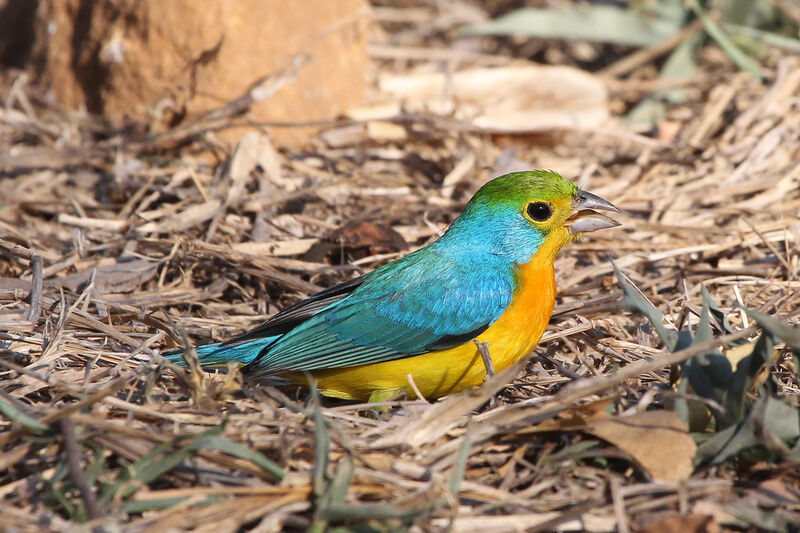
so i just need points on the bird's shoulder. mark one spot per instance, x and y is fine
(430, 289)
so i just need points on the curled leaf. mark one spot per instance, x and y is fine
(656, 440)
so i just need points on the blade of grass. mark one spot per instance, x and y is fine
(322, 442)
(772, 39)
(742, 60)
(11, 412)
(237, 449)
(460, 466)
(596, 23)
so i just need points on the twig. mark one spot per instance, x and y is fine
(35, 310)
(683, 497)
(73, 453)
(619, 504)
(413, 385)
(483, 348)
(771, 247)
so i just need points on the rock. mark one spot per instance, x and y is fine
(16, 31)
(164, 62)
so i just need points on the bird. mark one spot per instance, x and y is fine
(410, 326)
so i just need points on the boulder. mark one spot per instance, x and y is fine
(165, 62)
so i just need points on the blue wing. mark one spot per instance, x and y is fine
(218, 354)
(417, 304)
(245, 348)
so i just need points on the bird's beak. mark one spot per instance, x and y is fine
(585, 217)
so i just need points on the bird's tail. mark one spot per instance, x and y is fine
(218, 354)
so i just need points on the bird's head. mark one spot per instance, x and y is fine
(518, 215)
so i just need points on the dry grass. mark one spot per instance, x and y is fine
(145, 238)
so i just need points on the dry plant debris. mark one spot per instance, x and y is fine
(147, 240)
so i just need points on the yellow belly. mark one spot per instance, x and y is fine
(442, 372)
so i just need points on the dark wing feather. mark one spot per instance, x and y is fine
(291, 317)
(451, 341)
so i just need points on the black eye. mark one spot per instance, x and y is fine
(539, 211)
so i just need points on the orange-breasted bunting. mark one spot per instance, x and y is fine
(489, 278)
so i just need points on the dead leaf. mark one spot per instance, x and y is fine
(208, 390)
(577, 417)
(221, 387)
(528, 98)
(254, 154)
(668, 130)
(737, 353)
(380, 130)
(656, 440)
(343, 135)
(124, 276)
(357, 240)
(691, 523)
(189, 217)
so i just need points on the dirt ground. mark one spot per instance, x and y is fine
(148, 239)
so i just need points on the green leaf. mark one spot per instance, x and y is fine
(767, 413)
(635, 301)
(718, 314)
(781, 330)
(364, 528)
(708, 373)
(736, 396)
(782, 419)
(703, 332)
(738, 11)
(682, 407)
(14, 414)
(74, 511)
(154, 465)
(598, 23)
(332, 507)
(794, 455)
